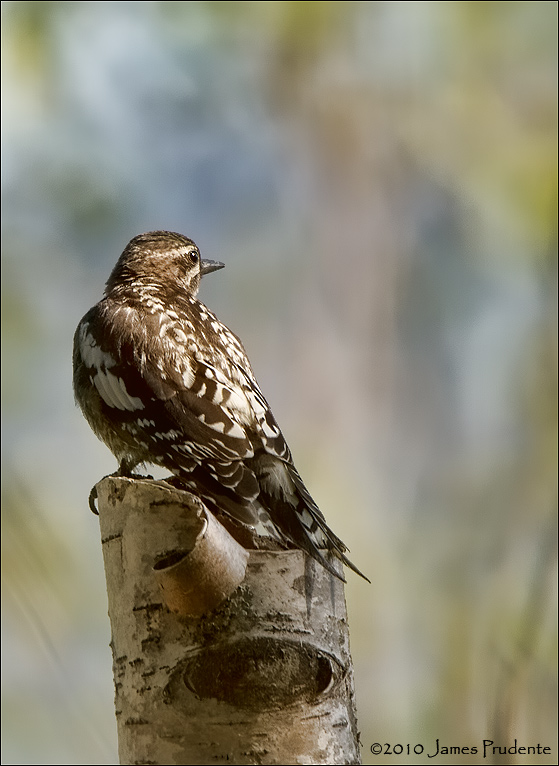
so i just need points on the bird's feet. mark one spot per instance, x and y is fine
(125, 470)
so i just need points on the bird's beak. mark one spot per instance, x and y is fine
(206, 267)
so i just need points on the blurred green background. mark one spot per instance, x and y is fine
(380, 180)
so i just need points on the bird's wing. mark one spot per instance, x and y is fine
(200, 413)
(208, 388)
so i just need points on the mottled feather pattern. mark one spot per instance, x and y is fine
(162, 381)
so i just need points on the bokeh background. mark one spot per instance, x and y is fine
(380, 180)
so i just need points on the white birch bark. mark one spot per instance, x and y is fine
(262, 677)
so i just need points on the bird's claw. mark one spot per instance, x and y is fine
(92, 498)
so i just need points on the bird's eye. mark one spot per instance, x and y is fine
(194, 255)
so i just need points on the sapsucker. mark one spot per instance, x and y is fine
(162, 381)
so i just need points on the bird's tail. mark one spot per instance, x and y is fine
(307, 528)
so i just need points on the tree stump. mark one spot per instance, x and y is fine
(220, 654)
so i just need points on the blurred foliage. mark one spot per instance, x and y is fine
(381, 180)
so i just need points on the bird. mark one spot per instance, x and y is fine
(162, 381)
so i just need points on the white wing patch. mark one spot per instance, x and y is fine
(113, 392)
(92, 354)
(111, 388)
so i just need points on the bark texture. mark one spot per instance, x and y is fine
(257, 672)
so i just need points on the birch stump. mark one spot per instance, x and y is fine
(220, 654)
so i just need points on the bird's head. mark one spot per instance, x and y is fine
(160, 259)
